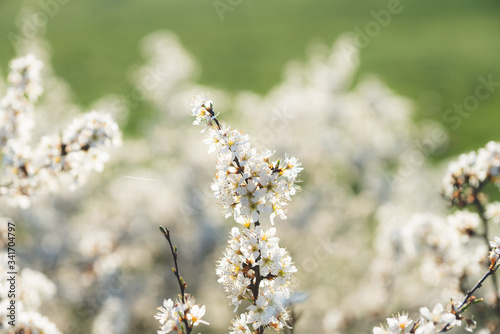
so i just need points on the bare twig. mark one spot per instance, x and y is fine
(478, 285)
(175, 269)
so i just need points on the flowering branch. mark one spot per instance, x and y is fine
(249, 185)
(184, 314)
(439, 321)
(463, 185)
(470, 299)
(80, 148)
(465, 181)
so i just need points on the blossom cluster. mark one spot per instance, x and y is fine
(453, 249)
(495, 252)
(180, 316)
(16, 107)
(248, 183)
(69, 156)
(456, 258)
(397, 324)
(33, 288)
(446, 249)
(428, 323)
(81, 146)
(256, 269)
(468, 174)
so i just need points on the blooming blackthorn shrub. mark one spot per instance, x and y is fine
(67, 156)
(27, 170)
(249, 185)
(369, 233)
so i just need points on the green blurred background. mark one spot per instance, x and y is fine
(432, 51)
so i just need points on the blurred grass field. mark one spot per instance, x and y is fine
(440, 47)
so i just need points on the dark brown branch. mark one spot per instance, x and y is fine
(481, 211)
(173, 249)
(180, 280)
(491, 271)
(478, 285)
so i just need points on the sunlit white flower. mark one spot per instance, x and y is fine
(240, 325)
(401, 323)
(176, 315)
(438, 317)
(202, 110)
(471, 170)
(195, 314)
(255, 256)
(495, 252)
(248, 183)
(34, 322)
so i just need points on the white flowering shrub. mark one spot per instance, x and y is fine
(457, 249)
(30, 166)
(69, 155)
(34, 288)
(249, 186)
(253, 260)
(370, 234)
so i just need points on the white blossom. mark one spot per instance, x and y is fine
(397, 324)
(26, 171)
(34, 322)
(240, 325)
(33, 288)
(471, 169)
(248, 183)
(495, 252)
(173, 316)
(253, 261)
(433, 322)
(16, 107)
